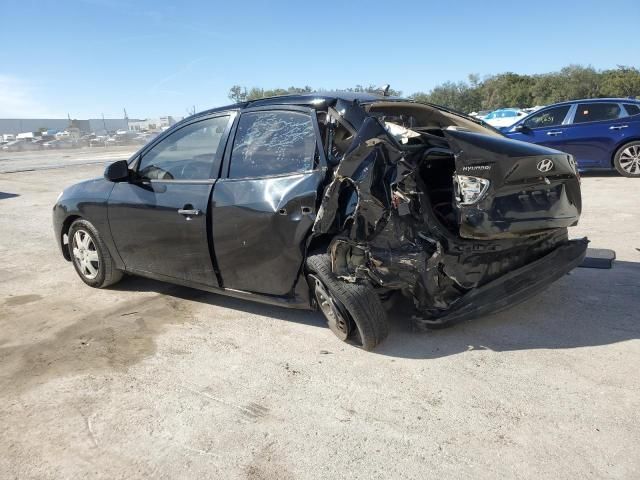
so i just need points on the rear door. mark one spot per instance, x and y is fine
(265, 207)
(159, 220)
(593, 133)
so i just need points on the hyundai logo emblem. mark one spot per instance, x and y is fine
(545, 165)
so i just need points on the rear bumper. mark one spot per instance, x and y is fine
(513, 287)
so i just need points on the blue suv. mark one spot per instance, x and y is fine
(601, 134)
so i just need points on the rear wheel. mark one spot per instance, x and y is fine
(353, 311)
(90, 256)
(627, 160)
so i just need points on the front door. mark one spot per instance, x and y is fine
(546, 127)
(265, 207)
(159, 220)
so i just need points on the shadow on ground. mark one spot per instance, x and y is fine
(589, 307)
(5, 195)
(600, 173)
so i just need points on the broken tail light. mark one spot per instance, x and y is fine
(469, 190)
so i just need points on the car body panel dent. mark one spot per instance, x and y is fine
(259, 228)
(521, 198)
(385, 230)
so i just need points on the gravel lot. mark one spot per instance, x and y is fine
(152, 380)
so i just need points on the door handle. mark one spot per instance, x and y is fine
(554, 133)
(618, 127)
(189, 212)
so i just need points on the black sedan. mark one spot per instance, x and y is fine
(333, 201)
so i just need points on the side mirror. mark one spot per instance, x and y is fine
(117, 171)
(522, 128)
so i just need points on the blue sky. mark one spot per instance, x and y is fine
(161, 57)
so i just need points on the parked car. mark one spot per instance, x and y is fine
(60, 144)
(20, 145)
(480, 114)
(98, 141)
(335, 201)
(504, 117)
(39, 142)
(51, 144)
(601, 134)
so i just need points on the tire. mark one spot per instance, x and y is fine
(627, 160)
(358, 303)
(84, 238)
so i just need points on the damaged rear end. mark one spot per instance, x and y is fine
(445, 210)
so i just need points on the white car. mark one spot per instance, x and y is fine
(504, 117)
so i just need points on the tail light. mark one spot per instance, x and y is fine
(469, 190)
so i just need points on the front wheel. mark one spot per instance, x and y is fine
(353, 311)
(90, 256)
(627, 160)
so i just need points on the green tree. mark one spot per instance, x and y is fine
(579, 82)
(507, 90)
(461, 96)
(621, 82)
(501, 90)
(237, 94)
(371, 89)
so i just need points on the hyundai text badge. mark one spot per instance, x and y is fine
(545, 165)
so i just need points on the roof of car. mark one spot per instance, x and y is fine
(596, 100)
(310, 99)
(314, 97)
(318, 99)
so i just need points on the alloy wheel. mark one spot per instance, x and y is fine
(630, 159)
(85, 254)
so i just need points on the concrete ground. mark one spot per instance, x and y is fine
(152, 380)
(13, 162)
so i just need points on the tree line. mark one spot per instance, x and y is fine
(241, 94)
(500, 90)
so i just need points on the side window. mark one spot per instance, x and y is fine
(548, 118)
(273, 143)
(595, 112)
(187, 154)
(632, 109)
